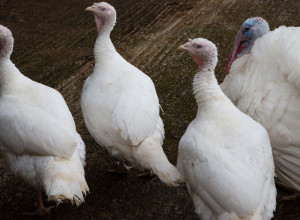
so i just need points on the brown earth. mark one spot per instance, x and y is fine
(54, 45)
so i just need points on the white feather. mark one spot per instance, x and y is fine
(226, 158)
(38, 138)
(121, 111)
(265, 84)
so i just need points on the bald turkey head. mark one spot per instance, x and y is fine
(105, 16)
(203, 51)
(251, 29)
(6, 42)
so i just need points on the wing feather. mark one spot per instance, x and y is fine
(136, 114)
(219, 177)
(37, 122)
(265, 84)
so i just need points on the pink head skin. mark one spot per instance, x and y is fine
(105, 16)
(203, 51)
(6, 42)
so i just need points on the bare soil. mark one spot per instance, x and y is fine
(54, 45)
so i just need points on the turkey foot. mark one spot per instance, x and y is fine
(121, 168)
(40, 210)
(290, 197)
(147, 173)
(295, 194)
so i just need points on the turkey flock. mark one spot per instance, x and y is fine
(246, 131)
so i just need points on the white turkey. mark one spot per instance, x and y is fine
(263, 81)
(225, 156)
(120, 105)
(38, 138)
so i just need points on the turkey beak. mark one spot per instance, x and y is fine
(183, 47)
(91, 8)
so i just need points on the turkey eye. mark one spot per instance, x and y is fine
(246, 29)
(102, 9)
(198, 46)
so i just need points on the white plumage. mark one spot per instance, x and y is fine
(265, 84)
(121, 108)
(224, 155)
(38, 138)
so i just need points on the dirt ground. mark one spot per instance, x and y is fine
(54, 42)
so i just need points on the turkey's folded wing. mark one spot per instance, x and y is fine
(219, 178)
(31, 130)
(136, 115)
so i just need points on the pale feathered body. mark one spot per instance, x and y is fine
(38, 138)
(265, 84)
(225, 156)
(121, 107)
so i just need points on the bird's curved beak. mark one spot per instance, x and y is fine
(182, 47)
(91, 8)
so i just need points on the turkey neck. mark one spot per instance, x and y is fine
(104, 48)
(206, 89)
(8, 72)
